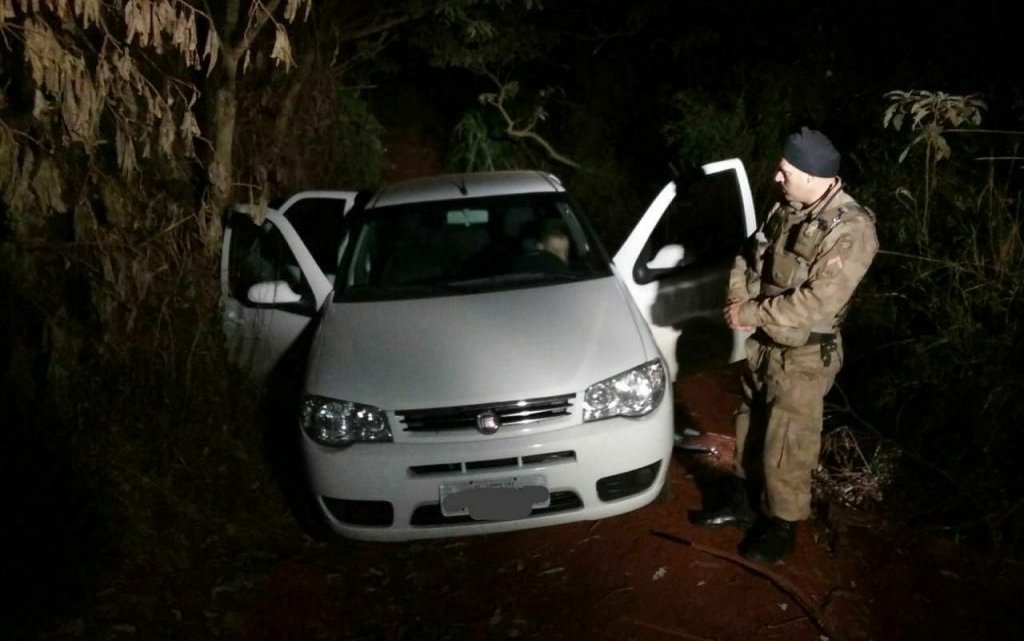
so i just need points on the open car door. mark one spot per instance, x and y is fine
(677, 259)
(275, 274)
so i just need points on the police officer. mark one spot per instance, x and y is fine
(791, 285)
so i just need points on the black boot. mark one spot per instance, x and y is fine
(769, 541)
(736, 511)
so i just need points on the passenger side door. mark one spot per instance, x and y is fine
(276, 274)
(677, 259)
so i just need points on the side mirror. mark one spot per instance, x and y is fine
(667, 261)
(274, 292)
(667, 257)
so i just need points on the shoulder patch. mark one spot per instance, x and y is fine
(854, 209)
(832, 267)
(844, 245)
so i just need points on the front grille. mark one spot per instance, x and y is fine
(464, 417)
(532, 460)
(431, 514)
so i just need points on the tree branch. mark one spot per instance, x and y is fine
(498, 102)
(374, 29)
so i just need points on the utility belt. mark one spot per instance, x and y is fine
(820, 338)
(826, 340)
(814, 338)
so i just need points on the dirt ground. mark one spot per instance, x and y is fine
(644, 576)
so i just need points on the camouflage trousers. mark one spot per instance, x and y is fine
(778, 424)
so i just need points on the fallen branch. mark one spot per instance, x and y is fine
(676, 633)
(782, 624)
(805, 602)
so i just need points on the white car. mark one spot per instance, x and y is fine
(457, 377)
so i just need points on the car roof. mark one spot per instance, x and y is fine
(466, 185)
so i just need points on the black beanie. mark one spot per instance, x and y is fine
(811, 152)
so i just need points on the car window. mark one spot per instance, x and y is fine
(259, 253)
(320, 223)
(705, 219)
(468, 245)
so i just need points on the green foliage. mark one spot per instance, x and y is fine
(334, 143)
(943, 305)
(472, 147)
(483, 34)
(358, 158)
(705, 128)
(606, 187)
(480, 145)
(931, 112)
(602, 186)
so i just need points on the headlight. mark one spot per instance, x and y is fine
(634, 392)
(339, 423)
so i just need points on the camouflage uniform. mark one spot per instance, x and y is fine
(795, 280)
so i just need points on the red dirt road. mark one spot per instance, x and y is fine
(645, 576)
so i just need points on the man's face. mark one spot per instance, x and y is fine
(558, 245)
(792, 181)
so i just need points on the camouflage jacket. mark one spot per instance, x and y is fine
(796, 275)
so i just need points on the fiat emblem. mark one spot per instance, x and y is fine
(487, 422)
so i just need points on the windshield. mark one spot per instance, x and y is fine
(467, 246)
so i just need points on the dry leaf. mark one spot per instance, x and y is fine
(282, 51)
(211, 50)
(46, 186)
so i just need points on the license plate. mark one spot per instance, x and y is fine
(495, 499)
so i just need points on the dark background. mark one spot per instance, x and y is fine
(130, 457)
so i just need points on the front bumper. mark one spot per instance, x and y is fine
(391, 491)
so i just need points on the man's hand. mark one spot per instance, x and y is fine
(732, 316)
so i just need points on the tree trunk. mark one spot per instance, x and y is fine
(225, 114)
(220, 169)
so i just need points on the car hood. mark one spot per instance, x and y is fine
(477, 348)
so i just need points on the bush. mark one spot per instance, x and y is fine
(942, 305)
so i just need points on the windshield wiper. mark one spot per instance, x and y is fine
(518, 277)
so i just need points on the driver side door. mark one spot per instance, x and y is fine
(276, 274)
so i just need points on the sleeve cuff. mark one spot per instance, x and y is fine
(749, 313)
